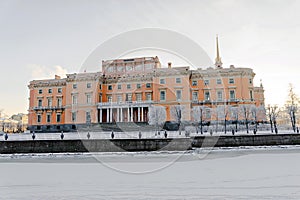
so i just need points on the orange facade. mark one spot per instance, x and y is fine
(127, 89)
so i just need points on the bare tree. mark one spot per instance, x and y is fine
(223, 112)
(235, 116)
(246, 113)
(177, 112)
(292, 106)
(269, 113)
(157, 115)
(198, 114)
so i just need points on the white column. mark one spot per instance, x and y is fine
(118, 117)
(121, 119)
(100, 120)
(111, 115)
(107, 115)
(131, 117)
(142, 114)
(139, 114)
(128, 115)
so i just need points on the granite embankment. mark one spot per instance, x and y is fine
(168, 144)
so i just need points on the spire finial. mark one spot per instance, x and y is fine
(218, 58)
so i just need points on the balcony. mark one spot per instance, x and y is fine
(47, 108)
(125, 104)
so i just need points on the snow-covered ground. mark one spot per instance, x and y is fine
(123, 135)
(222, 173)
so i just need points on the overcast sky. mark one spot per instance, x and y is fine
(41, 38)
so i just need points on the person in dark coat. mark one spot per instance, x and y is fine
(140, 135)
(112, 135)
(62, 135)
(88, 135)
(166, 135)
(5, 136)
(33, 136)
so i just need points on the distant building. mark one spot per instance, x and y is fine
(127, 89)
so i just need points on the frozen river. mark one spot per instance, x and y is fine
(230, 173)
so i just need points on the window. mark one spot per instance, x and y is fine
(74, 99)
(49, 102)
(39, 119)
(207, 96)
(88, 98)
(139, 97)
(195, 96)
(232, 94)
(88, 116)
(75, 86)
(231, 81)
(138, 86)
(109, 98)
(128, 86)
(251, 95)
(50, 91)
(219, 81)
(119, 86)
(128, 97)
(178, 95)
(250, 80)
(40, 91)
(162, 81)
(119, 98)
(206, 82)
(194, 83)
(178, 80)
(58, 117)
(219, 95)
(59, 90)
(40, 103)
(88, 85)
(48, 118)
(109, 87)
(59, 102)
(148, 96)
(162, 95)
(100, 87)
(148, 85)
(74, 116)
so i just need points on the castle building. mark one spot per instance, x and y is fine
(126, 89)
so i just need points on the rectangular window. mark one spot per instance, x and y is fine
(109, 87)
(59, 102)
(162, 95)
(231, 81)
(162, 81)
(119, 98)
(48, 118)
(195, 96)
(148, 85)
(139, 97)
(148, 96)
(88, 98)
(219, 95)
(119, 86)
(49, 102)
(75, 86)
(59, 90)
(232, 94)
(40, 103)
(58, 117)
(207, 96)
(109, 98)
(206, 82)
(74, 99)
(128, 97)
(50, 91)
(219, 81)
(128, 86)
(88, 117)
(88, 85)
(178, 95)
(40, 91)
(178, 80)
(250, 80)
(194, 83)
(74, 116)
(251, 95)
(138, 86)
(39, 118)
(100, 87)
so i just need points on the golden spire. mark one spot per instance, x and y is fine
(218, 58)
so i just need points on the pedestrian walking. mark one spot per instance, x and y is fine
(62, 135)
(112, 135)
(88, 135)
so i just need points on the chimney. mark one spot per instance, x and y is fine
(57, 77)
(169, 64)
